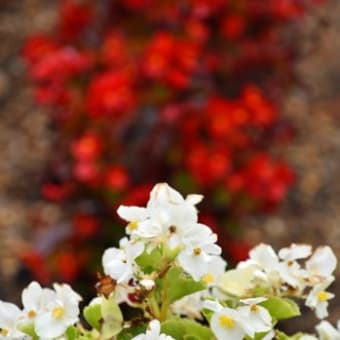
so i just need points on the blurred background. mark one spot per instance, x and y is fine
(235, 99)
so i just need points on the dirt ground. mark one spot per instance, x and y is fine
(312, 211)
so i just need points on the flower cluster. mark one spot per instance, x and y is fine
(142, 90)
(169, 277)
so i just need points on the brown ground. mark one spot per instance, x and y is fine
(312, 212)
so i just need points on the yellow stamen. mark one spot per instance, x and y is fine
(323, 296)
(132, 225)
(4, 331)
(226, 321)
(58, 312)
(197, 251)
(208, 278)
(31, 314)
(254, 308)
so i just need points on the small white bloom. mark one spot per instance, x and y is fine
(327, 332)
(227, 323)
(10, 316)
(166, 212)
(318, 298)
(322, 263)
(35, 299)
(265, 257)
(295, 252)
(61, 313)
(119, 263)
(258, 318)
(196, 255)
(153, 333)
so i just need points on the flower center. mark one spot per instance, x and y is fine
(58, 312)
(31, 314)
(254, 308)
(172, 229)
(226, 321)
(323, 296)
(4, 331)
(208, 278)
(197, 251)
(132, 225)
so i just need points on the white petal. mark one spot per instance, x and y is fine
(323, 262)
(265, 256)
(327, 332)
(132, 214)
(162, 192)
(295, 252)
(31, 296)
(194, 199)
(212, 305)
(9, 313)
(48, 327)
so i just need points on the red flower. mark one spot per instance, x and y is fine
(111, 94)
(56, 192)
(116, 178)
(75, 17)
(233, 26)
(85, 225)
(38, 47)
(61, 65)
(67, 265)
(87, 148)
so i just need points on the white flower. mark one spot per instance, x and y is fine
(61, 313)
(166, 212)
(322, 263)
(318, 298)
(226, 323)
(199, 247)
(327, 332)
(265, 257)
(119, 263)
(35, 299)
(153, 333)
(258, 318)
(10, 316)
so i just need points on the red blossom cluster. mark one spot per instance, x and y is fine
(141, 91)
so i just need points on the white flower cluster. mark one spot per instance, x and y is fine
(283, 275)
(170, 269)
(49, 312)
(168, 220)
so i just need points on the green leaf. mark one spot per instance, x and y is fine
(186, 329)
(190, 337)
(93, 315)
(207, 313)
(150, 262)
(281, 308)
(112, 318)
(283, 336)
(71, 333)
(129, 333)
(178, 284)
(29, 330)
